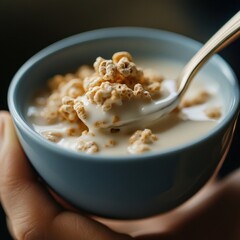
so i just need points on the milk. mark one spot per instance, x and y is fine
(172, 130)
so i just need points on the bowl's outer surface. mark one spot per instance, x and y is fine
(117, 187)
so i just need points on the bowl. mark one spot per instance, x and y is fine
(128, 187)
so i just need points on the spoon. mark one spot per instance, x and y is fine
(226, 34)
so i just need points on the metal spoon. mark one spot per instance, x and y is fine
(226, 34)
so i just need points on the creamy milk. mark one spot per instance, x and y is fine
(174, 129)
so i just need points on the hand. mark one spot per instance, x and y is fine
(32, 213)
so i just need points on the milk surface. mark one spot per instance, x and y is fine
(174, 129)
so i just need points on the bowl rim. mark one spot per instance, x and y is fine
(113, 32)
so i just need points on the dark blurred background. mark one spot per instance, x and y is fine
(27, 26)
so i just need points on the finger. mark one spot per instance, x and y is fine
(215, 216)
(10, 227)
(218, 214)
(81, 227)
(32, 212)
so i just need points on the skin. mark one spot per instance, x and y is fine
(33, 213)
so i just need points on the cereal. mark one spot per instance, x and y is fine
(151, 76)
(50, 110)
(110, 143)
(84, 72)
(126, 68)
(108, 94)
(67, 110)
(68, 77)
(138, 148)
(120, 70)
(55, 82)
(139, 92)
(213, 112)
(200, 98)
(97, 63)
(73, 88)
(79, 109)
(99, 124)
(50, 114)
(76, 131)
(88, 133)
(140, 141)
(92, 81)
(52, 136)
(90, 104)
(154, 89)
(87, 146)
(145, 136)
(119, 55)
(110, 82)
(107, 70)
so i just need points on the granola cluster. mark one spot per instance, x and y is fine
(52, 136)
(141, 141)
(108, 83)
(108, 94)
(87, 146)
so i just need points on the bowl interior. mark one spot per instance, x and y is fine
(67, 55)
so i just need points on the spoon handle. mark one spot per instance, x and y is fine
(225, 35)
